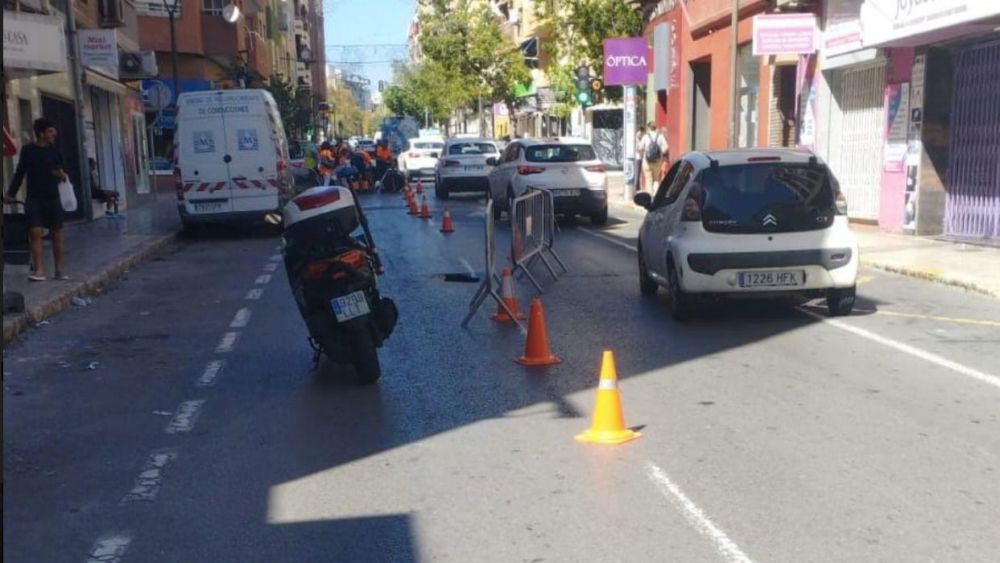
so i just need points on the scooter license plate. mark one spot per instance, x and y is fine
(350, 306)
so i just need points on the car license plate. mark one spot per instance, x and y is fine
(565, 193)
(786, 278)
(209, 207)
(350, 306)
(472, 168)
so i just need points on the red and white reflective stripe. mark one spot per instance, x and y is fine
(273, 182)
(241, 183)
(258, 183)
(188, 186)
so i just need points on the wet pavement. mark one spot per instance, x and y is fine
(177, 419)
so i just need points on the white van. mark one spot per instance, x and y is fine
(231, 156)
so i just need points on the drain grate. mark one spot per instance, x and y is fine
(461, 277)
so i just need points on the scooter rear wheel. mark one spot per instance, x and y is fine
(365, 358)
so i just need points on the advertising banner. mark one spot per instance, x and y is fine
(625, 61)
(784, 34)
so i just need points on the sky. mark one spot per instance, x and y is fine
(367, 22)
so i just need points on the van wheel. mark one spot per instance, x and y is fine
(647, 285)
(680, 302)
(840, 301)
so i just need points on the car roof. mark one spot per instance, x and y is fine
(530, 142)
(728, 157)
(426, 139)
(456, 140)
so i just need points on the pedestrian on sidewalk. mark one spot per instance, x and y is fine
(654, 147)
(639, 133)
(42, 164)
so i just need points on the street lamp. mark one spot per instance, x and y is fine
(171, 8)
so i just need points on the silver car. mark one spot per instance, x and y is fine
(462, 166)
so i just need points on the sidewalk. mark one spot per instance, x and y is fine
(974, 268)
(96, 252)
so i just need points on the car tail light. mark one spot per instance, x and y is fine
(595, 168)
(452, 163)
(526, 170)
(320, 199)
(692, 210)
(414, 154)
(353, 258)
(316, 270)
(841, 203)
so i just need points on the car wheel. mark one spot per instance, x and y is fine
(840, 301)
(647, 286)
(440, 191)
(680, 302)
(600, 218)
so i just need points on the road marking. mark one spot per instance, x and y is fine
(212, 371)
(612, 240)
(263, 279)
(696, 516)
(241, 318)
(110, 548)
(270, 267)
(147, 484)
(984, 377)
(960, 320)
(275, 258)
(254, 294)
(187, 415)
(227, 343)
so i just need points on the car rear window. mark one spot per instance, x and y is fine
(560, 153)
(472, 148)
(766, 198)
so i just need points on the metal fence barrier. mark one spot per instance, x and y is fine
(491, 281)
(533, 228)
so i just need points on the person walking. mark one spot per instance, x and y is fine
(654, 147)
(42, 164)
(639, 133)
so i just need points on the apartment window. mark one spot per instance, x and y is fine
(212, 7)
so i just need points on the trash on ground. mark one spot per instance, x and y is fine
(162, 413)
(93, 365)
(81, 301)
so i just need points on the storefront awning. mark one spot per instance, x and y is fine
(33, 42)
(885, 23)
(98, 80)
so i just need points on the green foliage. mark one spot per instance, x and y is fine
(294, 114)
(429, 87)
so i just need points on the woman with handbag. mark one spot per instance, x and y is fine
(42, 164)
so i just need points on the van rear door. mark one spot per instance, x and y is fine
(251, 134)
(203, 149)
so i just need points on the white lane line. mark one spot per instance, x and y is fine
(275, 258)
(227, 343)
(212, 371)
(147, 484)
(241, 318)
(263, 279)
(254, 294)
(186, 416)
(612, 240)
(696, 516)
(984, 377)
(110, 548)
(270, 267)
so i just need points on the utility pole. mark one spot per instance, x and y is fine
(171, 9)
(76, 76)
(734, 74)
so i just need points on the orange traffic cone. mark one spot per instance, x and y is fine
(425, 212)
(509, 299)
(536, 348)
(413, 208)
(517, 244)
(420, 186)
(608, 426)
(446, 225)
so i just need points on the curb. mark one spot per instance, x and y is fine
(930, 275)
(58, 304)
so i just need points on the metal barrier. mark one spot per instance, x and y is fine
(491, 281)
(533, 227)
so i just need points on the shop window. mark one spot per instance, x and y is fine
(213, 7)
(749, 76)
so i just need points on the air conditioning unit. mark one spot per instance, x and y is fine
(137, 66)
(112, 13)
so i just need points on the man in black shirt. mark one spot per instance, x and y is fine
(42, 163)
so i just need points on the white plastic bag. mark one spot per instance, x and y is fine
(67, 197)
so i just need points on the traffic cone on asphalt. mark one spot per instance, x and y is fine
(608, 425)
(509, 299)
(413, 208)
(420, 187)
(425, 212)
(517, 247)
(446, 225)
(536, 348)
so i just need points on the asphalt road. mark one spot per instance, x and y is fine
(769, 433)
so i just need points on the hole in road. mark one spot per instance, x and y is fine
(461, 277)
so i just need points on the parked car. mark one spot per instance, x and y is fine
(566, 166)
(419, 157)
(748, 223)
(232, 156)
(462, 166)
(368, 146)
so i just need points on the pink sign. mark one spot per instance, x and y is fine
(625, 61)
(784, 34)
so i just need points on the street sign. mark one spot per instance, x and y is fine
(157, 96)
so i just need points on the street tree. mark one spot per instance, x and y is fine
(294, 115)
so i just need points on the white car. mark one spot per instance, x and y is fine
(751, 223)
(566, 166)
(462, 166)
(419, 157)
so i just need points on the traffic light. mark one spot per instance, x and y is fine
(584, 97)
(381, 85)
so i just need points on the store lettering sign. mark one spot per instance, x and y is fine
(625, 61)
(99, 50)
(784, 34)
(884, 21)
(33, 42)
